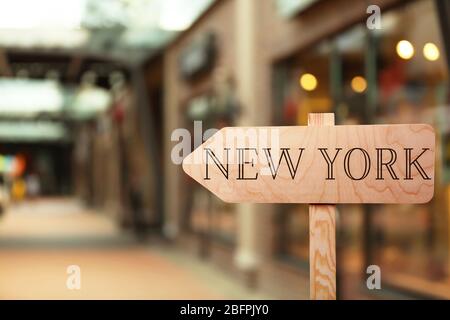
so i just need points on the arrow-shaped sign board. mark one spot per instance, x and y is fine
(322, 165)
(318, 164)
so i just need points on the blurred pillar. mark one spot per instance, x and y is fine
(443, 10)
(147, 129)
(172, 194)
(248, 60)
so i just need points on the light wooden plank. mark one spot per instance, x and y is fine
(322, 237)
(310, 183)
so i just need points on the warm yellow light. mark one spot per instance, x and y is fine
(405, 49)
(431, 51)
(308, 82)
(359, 84)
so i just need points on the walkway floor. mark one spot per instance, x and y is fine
(40, 239)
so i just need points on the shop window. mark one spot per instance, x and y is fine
(208, 215)
(301, 85)
(294, 233)
(394, 75)
(349, 80)
(351, 55)
(329, 77)
(198, 211)
(412, 86)
(224, 221)
(205, 214)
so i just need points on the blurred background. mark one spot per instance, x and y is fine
(91, 91)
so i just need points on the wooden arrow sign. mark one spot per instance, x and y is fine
(318, 164)
(322, 165)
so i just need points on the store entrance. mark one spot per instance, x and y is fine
(397, 75)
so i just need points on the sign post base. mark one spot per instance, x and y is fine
(322, 236)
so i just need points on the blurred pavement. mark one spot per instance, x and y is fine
(40, 239)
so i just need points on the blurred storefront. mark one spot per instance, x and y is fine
(273, 62)
(118, 172)
(97, 100)
(394, 75)
(200, 94)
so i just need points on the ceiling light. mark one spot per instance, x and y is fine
(178, 15)
(31, 14)
(405, 49)
(30, 97)
(358, 84)
(308, 82)
(431, 51)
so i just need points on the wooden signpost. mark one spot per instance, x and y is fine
(320, 164)
(322, 236)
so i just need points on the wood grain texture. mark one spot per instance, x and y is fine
(322, 252)
(310, 183)
(322, 237)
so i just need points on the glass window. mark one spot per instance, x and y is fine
(302, 85)
(206, 214)
(394, 75)
(412, 86)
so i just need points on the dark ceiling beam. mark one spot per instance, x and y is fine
(5, 68)
(129, 59)
(71, 64)
(67, 53)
